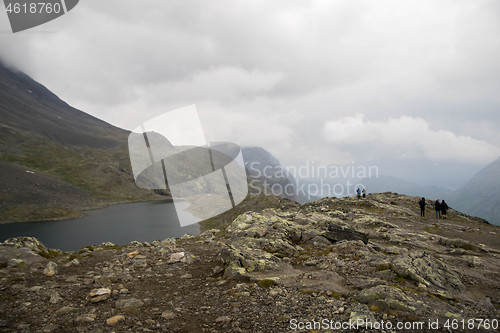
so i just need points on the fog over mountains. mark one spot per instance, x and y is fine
(387, 83)
(57, 160)
(480, 196)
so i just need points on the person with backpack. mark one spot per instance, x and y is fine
(358, 191)
(444, 208)
(437, 207)
(421, 203)
(364, 192)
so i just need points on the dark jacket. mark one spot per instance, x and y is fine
(437, 205)
(444, 207)
(422, 203)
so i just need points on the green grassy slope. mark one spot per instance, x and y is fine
(56, 161)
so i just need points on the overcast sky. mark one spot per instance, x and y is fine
(330, 81)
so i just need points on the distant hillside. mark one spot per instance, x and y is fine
(267, 176)
(56, 160)
(392, 184)
(480, 196)
(341, 187)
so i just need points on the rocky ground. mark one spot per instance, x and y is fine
(372, 261)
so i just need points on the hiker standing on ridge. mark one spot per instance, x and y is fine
(358, 191)
(421, 203)
(444, 208)
(437, 207)
(364, 192)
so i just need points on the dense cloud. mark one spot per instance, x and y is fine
(408, 138)
(287, 75)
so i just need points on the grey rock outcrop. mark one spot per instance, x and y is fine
(424, 268)
(343, 259)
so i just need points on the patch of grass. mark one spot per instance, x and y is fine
(433, 229)
(383, 267)
(375, 308)
(20, 266)
(469, 247)
(302, 258)
(270, 250)
(412, 318)
(439, 297)
(9, 298)
(393, 313)
(3, 264)
(89, 247)
(238, 295)
(32, 212)
(402, 279)
(337, 295)
(49, 254)
(394, 203)
(134, 311)
(307, 291)
(102, 174)
(16, 280)
(325, 252)
(266, 283)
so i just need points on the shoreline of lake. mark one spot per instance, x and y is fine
(84, 212)
(121, 223)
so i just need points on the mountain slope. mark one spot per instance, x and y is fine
(480, 196)
(32, 110)
(57, 160)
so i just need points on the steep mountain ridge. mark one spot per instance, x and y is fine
(56, 160)
(31, 109)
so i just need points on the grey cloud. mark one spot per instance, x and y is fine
(285, 68)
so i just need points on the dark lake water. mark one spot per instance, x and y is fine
(120, 224)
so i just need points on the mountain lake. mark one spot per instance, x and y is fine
(120, 224)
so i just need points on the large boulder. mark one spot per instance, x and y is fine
(19, 251)
(389, 298)
(424, 268)
(26, 242)
(259, 241)
(338, 232)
